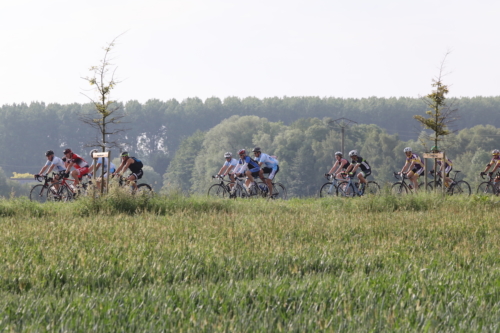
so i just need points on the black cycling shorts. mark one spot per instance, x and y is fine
(138, 174)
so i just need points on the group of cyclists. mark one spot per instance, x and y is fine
(257, 167)
(245, 166)
(76, 166)
(412, 169)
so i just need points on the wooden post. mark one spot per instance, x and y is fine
(443, 164)
(107, 173)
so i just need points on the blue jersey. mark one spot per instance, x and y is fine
(253, 166)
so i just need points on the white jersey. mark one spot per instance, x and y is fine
(233, 162)
(240, 168)
(57, 162)
(100, 161)
(268, 161)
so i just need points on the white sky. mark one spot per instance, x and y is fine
(263, 48)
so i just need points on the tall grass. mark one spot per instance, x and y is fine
(189, 264)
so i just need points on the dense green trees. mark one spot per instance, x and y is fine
(292, 128)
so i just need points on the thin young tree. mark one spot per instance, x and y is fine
(106, 114)
(442, 112)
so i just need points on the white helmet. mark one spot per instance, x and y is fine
(228, 154)
(407, 149)
(495, 152)
(353, 153)
(92, 152)
(339, 153)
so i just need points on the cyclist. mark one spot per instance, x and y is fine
(250, 165)
(271, 167)
(73, 160)
(101, 161)
(341, 164)
(361, 163)
(228, 168)
(448, 166)
(53, 163)
(495, 162)
(413, 167)
(134, 165)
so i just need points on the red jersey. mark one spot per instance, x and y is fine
(78, 160)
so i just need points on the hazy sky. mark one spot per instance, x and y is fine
(262, 48)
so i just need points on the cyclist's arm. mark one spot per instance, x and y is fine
(228, 170)
(221, 171)
(43, 170)
(495, 168)
(488, 166)
(120, 167)
(335, 165)
(69, 166)
(407, 166)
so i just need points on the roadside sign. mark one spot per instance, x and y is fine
(433, 155)
(100, 154)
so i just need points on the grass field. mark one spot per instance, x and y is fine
(418, 263)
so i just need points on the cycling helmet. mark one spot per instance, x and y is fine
(67, 151)
(435, 148)
(407, 149)
(228, 154)
(339, 153)
(124, 154)
(242, 151)
(256, 150)
(92, 152)
(353, 153)
(495, 152)
(49, 152)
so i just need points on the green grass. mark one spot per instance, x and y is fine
(418, 263)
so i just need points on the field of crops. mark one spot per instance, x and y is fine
(418, 263)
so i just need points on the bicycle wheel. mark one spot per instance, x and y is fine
(328, 190)
(372, 188)
(218, 191)
(486, 188)
(39, 193)
(238, 192)
(399, 189)
(144, 189)
(279, 191)
(461, 188)
(346, 189)
(64, 194)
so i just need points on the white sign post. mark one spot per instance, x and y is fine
(105, 155)
(435, 156)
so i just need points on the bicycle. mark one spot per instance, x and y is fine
(220, 190)
(49, 191)
(142, 189)
(401, 187)
(346, 188)
(330, 187)
(279, 190)
(460, 187)
(489, 187)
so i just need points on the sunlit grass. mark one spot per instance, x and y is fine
(175, 263)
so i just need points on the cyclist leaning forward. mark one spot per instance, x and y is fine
(134, 165)
(413, 167)
(495, 162)
(228, 168)
(362, 164)
(448, 166)
(251, 166)
(74, 160)
(340, 165)
(271, 167)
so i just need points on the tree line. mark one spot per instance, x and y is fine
(306, 151)
(156, 129)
